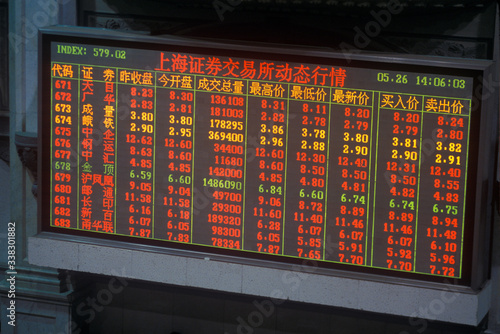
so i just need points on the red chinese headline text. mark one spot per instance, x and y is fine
(253, 69)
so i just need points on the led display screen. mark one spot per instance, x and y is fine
(360, 165)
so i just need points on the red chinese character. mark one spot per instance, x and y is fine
(108, 216)
(97, 225)
(97, 179)
(106, 156)
(86, 213)
(108, 192)
(87, 85)
(301, 76)
(110, 98)
(319, 75)
(87, 144)
(163, 61)
(109, 146)
(87, 131)
(86, 224)
(196, 64)
(266, 71)
(87, 189)
(108, 227)
(249, 70)
(87, 155)
(86, 177)
(339, 76)
(179, 63)
(107, 203)
(213, 66)
(283, 73)
(231, 66)
(109, 135)
(87, 201)
(108, 181)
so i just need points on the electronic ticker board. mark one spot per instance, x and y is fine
(361, 165)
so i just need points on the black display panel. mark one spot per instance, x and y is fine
(365, 165)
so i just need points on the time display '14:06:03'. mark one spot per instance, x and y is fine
(341, 165)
